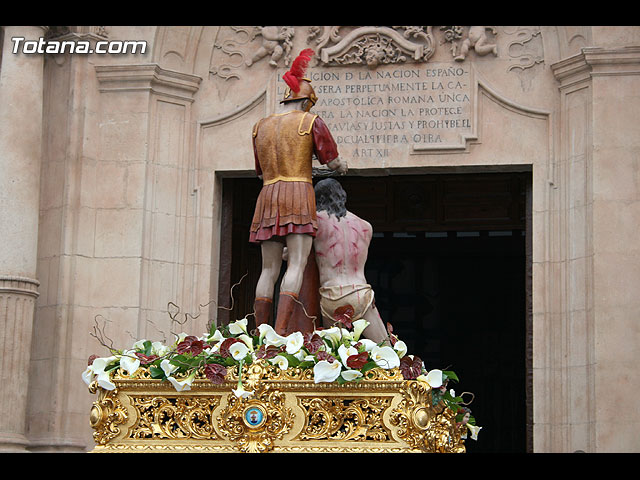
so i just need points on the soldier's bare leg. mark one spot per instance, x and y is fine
(271, 263)
(298, 249)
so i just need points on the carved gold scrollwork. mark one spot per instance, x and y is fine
(107, 413)
(285, 412)
(180, 417)
(254, 423)
(423, 426)
(345, 419)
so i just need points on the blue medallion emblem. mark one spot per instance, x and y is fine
(253, 416)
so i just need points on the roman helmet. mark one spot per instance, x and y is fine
(298, 86)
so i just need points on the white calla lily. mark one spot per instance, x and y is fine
(104, 381)
(280, 361)
(345, 352)
(181, 336)
(350, 375)
(139, 345)
(367, 344)
(129, 363)
(238, 350)
(240, 392)
(97, 372)
(295, 342)
(216, 337)
(263, 329)
(401, 348)
(159, 349)
(167, 367)
(358, 328)
(474, 431)
(433, 378)
(238, 327)
(269, 336)
(324, 371)
(335, 334)
(248, 341)
(88, 375)
(100, 364)
(385, 357)
(182, 385)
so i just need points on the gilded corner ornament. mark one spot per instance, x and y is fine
(107, 414)
(429, 428)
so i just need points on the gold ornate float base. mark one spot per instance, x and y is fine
(287, 412)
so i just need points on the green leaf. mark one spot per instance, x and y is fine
(368, 366)
(147, 347)
(293, 361)
(306, 364)
(447, 396)
(112, 366)
(156, 372)
(186, 362)
(450, 375)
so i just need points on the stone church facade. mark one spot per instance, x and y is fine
(115, 219)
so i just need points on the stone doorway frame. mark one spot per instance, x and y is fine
(228, 183)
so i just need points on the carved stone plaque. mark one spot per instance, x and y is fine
(378, 115)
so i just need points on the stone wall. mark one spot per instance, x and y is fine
(134, 146)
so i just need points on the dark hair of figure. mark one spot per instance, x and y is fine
(331, 197)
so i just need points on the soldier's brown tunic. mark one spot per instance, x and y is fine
(283, 146)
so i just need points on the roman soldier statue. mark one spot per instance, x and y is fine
(285, 215)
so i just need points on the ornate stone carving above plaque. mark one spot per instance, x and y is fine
(475, 38)
(373, 46)
(370, 46)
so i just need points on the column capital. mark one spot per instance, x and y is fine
(19, 285)
(147, 77)
(597, 61)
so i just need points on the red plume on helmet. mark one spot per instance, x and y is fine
(298, 67)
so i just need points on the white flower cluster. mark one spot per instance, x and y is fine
(338, 345)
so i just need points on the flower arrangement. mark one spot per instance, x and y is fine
(335, 354)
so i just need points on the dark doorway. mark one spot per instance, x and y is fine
(448, 264)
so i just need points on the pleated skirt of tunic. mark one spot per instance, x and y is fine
(283, 208)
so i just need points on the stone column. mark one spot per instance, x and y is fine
(21, 87)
